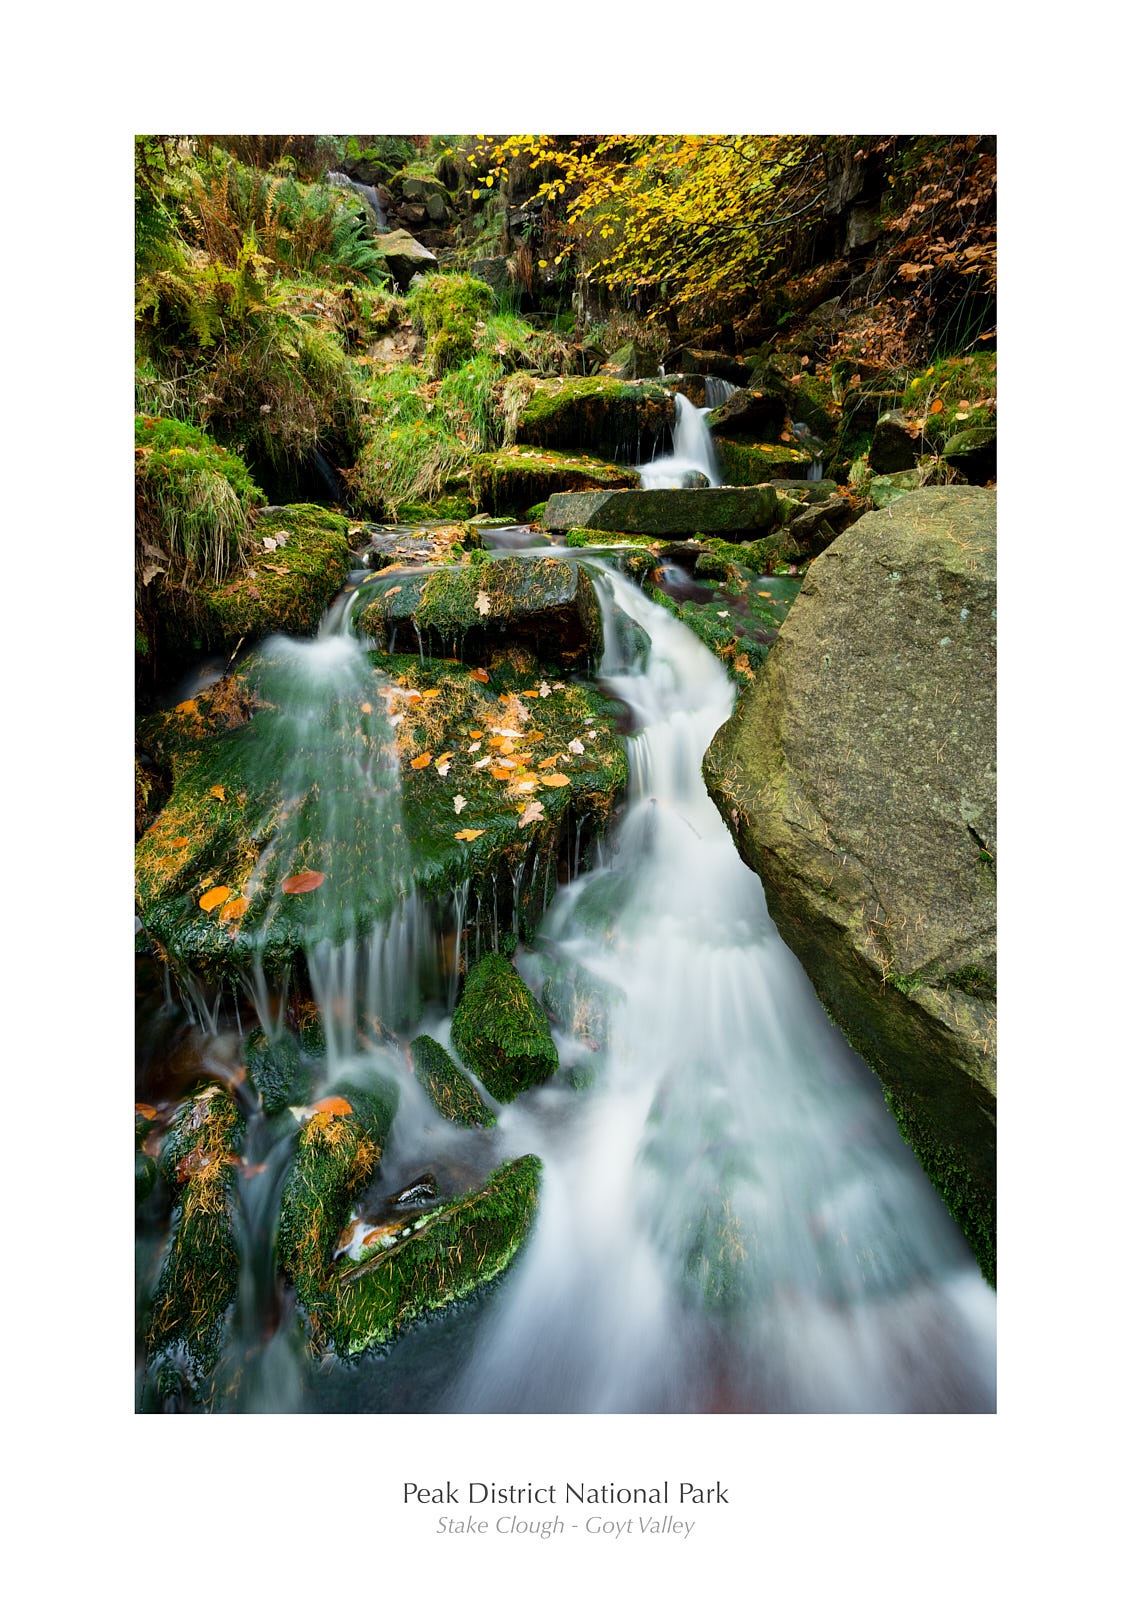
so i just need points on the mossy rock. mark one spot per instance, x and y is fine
(453, 1095)
(227, 825)
(445, 508)
(284, 589)
(462, 1248)
(516, 481)
(665, 513)
(748, 462)
(740, 621)
(501, 1032)
(974, 452)
(541, 604)
(450, 305)
(885, 490)
(608, 414)
(336, 1153)
(200, 1272)
(276, 1071)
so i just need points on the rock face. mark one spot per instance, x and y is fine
(729, 513)
(858, 778)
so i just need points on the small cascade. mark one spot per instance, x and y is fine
(339, 180)
(692, 452)
(717, 391)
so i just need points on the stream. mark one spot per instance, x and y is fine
(729, 1218)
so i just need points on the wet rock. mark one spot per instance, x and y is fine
(596, 413)
(542, 604)
(709, 363)
(859, 783)
(728, 513)
(416, 1191)
(298, 561)
(453, 1094)
(451, 1252)
(501, 1032)
(751, 414)
(815, 528)
(514, 481)
(746, 461)
(276, 1071)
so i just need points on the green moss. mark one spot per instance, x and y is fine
(501, 1032)
(462, 1249)
(744, 462)
(285, 589)
(967, 389)
(449, 306)
(277, 1071)
(200, 1272)
(335, 1156)
(594, 413)
(507, 482)
(453, 1095)
(194, 502)
(969, 1201)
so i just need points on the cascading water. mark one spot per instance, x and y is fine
(692, 451)
(729, 1219)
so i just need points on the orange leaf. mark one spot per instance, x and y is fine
(764, 594)
(478, 673)
(531, 694)
(396, 589)
(936, 406)
(366, 707)
(421, 761)
(218, 790)
(430, 694)
(447, 756)
(214, 898)
(186, 705)
(235, 908)
(334, 1106)
(469, 833)
(555, 780)
(179, 842)
(148, 1112)
(302, 882)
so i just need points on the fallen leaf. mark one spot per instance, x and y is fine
(396, 589)
(234, 908)
(533, 813)
(764, 594)
(576, 746)
(469, 833)
(531, 694)
(472, 748)
(430, 694)
(443, 768)
(214, 898)
(936, 407)
(148, 1112)
(302, 882)
(186, 705)
(460, 803)
(366, 707)
(479, 674)
(270, 544)
(543, 690)
(188, 1166)
(334, 1106)
(218, 790)
(554, 780)
(525, 788)
(421, 761)
(180, 842)
(482, 603)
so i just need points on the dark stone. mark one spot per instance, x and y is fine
(974, 453)
(895, 446)
(727, 513)
(750, 413)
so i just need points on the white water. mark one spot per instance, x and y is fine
(692, 451)
(728, 1105)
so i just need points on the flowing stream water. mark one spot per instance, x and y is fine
(729, 1219)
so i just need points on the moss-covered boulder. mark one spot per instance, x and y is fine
(664, 513)
(297, 561)
(596, 413)
(336, 1153)
(404, 255)
(896, 444)
(449, 305)
(200, 1272)
(859, 783)
(889, 487)
(452, 1252)
(453, 1095)
(541, 604)
(516, 481)
(751, 414)
(749, 461)
(501, 1031)
(474, 777)
(277, 1071)
(973, 451)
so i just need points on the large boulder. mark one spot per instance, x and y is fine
(858, 778)
(405, 255)
(727, 513)
(596, 413)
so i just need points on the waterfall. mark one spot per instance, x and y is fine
(339, 180)
(692, 451)
(730, 1220)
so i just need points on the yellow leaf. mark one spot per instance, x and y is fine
(469, 833)
(430, 694)
(366, 707)
(218, 790)
(421, 761)
(555, 780)
(214, 898)
(234, 908)
(186, 705)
